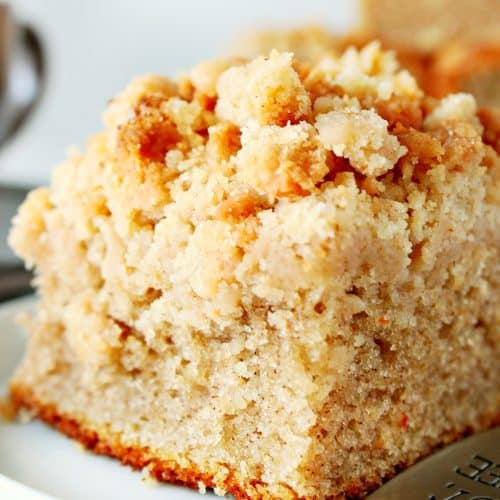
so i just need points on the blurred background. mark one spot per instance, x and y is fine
(61, 60)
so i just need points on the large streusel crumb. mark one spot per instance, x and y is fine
(270, 277)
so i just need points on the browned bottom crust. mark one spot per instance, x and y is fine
(169, 471)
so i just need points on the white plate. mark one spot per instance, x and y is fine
(37, 463)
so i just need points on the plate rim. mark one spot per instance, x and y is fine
(12, 306)
(19, 491)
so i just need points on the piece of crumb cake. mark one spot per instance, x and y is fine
(466, 67)
(273, 279)
(448, 45)
(454, 66)
(456, 43)
(428, 24)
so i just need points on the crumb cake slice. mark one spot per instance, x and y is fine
(448, 45)
(454, 66)
(274, 279)
(455, 42)
(428, 24)
(468, 67)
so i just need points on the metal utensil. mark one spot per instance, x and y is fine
(469, 470)
(14, 279)
(14, 282)
(20, 72)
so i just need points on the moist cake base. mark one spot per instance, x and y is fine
(134, 457)
(170, 472)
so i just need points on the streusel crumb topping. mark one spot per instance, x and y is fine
(273, 127)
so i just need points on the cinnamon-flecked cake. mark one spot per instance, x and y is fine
(274, 279)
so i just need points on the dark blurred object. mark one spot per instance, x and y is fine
(10, 199)
(5, 36)
(20, 77)
(14, 282)
(14, 279)
(20, 72)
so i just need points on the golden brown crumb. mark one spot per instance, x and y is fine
(241, 204)
(7, 410)
(281, 160)
(401, 111)
(362, 137)
(224, 141)
(150, 134)
(267, 89)
(490, 119)
(422, 147)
